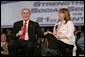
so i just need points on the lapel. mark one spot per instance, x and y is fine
(20, 24)
(29, 26)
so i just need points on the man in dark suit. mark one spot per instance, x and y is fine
(26, 33)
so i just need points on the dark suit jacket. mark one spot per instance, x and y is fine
(33, 30)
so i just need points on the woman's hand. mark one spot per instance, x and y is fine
(54, 33)
(62, 36)
(48, 32)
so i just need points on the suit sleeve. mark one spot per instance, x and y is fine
(14, 31)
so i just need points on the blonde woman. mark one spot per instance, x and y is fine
(64, 30)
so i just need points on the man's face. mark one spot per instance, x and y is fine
(82, 34)
(26, 14)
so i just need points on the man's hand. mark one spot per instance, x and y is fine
(20, 32)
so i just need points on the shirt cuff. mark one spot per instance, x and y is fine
(17, 35)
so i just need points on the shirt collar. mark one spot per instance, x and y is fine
(26, 21)
(62, 23)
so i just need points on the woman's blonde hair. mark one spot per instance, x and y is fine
(67, 14)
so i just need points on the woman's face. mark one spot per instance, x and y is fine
(61, 16)
(3, 38)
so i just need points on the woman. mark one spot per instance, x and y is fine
(4, 45)
(64, 30)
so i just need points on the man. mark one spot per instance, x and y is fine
(26, 32)
(80, 41)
